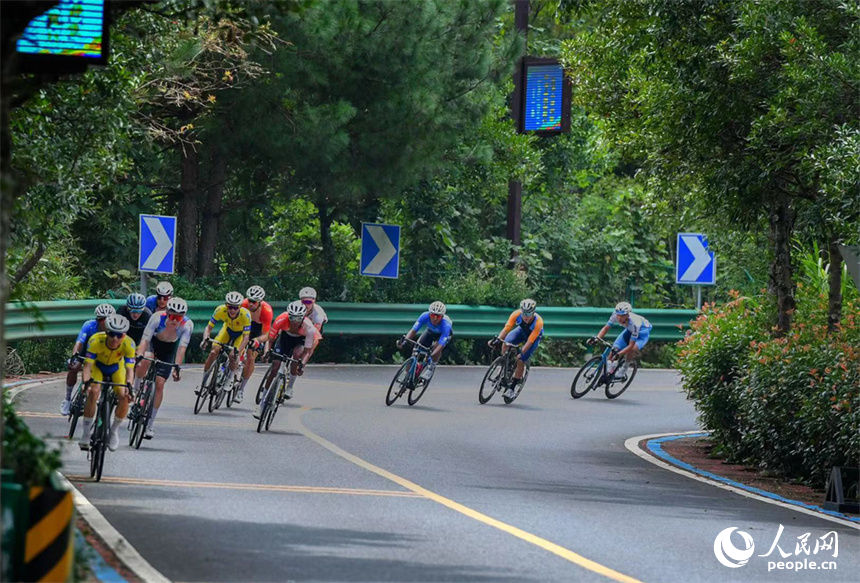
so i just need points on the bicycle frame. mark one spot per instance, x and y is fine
(417, 351)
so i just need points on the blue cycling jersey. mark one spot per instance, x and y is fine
(151, 303)
(89, 328)
(444, 328)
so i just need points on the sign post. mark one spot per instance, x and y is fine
(157, 248)
(694, 264)
(380, 250)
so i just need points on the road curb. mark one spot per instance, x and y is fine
(111, 537)
(16, 388)
(654, 454)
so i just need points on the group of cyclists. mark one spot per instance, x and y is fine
(112, 346)
(118, 346)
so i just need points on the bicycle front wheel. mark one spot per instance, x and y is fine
(491, 381)
(419, 390)
(615, 387)
(587, 376)
(399, 382)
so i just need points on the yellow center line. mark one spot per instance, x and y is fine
(558, 550)
(255, 487)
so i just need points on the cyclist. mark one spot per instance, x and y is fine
(158, 302)
(439, 331)
(261, 321)
(74, 364)
(292, 334)
(315, 314)
(632, 340)
(524, 327)
(235, 332)
(166, 338)
(109, 358)
(137, 314)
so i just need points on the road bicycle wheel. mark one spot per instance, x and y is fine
(214, 384)
(491, 381)
(204, 390)
(586, 378)
(611, 391)
(101, 441)
(399, 382)
(144, 416)
(75, 411)
(419, 390)
(520, 386)
(262, 386)
(264, 410)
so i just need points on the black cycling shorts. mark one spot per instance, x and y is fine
(165, 351)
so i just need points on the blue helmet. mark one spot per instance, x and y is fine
(135, 301)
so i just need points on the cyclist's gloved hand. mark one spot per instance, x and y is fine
(88, 383)
(592, 340)
(300, 368)
(176, 372)
(204, 343)
(494, 341)
(137, 358)
(128, 388)
(401, 342)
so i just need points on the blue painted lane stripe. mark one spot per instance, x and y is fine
(655, 446)
(102, 571)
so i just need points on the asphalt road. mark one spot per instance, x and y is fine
(344, 488)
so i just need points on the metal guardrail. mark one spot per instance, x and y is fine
(63, 319)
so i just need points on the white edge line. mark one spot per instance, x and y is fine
(117, 543)
(632, 444)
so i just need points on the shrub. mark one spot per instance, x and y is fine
(24, 453)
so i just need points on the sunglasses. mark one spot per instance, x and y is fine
(161, 297)
(307, 301)
(116, 334)
(296, 319)
(175, 317)
(136, 311)
(232, 308)
(253, 302)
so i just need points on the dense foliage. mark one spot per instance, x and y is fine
(24, 453)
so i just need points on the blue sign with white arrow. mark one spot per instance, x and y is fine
(695, 265)
(380, 250)
(157, 252)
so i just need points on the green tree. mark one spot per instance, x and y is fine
(724, 104)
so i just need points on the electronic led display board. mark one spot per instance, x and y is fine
(546, 97)
(74, 31)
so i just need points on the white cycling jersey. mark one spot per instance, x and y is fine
(635, 323)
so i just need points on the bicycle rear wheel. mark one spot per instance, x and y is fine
(398, 383)
(611, 391)
(491, 381)
(587, 376)
(520, 386)
(75, 412)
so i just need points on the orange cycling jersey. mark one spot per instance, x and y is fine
(265, 315)
(534, 328)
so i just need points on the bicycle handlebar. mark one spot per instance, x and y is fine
(283, 358)
(416, 343)
(229, 347)
(604, 342)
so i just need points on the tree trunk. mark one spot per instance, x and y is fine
(329, 278)
(211, 218)
(781, 280)
(190, 165)
(834, 296)
(8, 189)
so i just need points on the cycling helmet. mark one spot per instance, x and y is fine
(623, 308)
(135, 301)
(233, 298)
(177, 306)
(104, 310)
(528, 307)
(296, 311)
(255, 293)
(437, 309)
(308, 292)
(117, 323)
(164, 289)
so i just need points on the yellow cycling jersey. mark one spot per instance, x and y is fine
(98, 351)
(241, 323)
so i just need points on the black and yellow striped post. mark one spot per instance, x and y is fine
(49, 549)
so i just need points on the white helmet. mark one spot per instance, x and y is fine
(104, 310)
(164, 288)
(177, 306)
(623, 308)
(296, 310)
(437, 309)
(233, 298)
(308, 292)
(528, 307)
(255, 293)
(117, 323)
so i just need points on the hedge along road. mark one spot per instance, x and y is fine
(344, 488)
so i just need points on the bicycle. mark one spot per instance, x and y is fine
(596, 372)
(143, 403)
(500, 374)
(212, 386)
(79, 399)
(101, 428)
(274, 396)
(408, 376)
